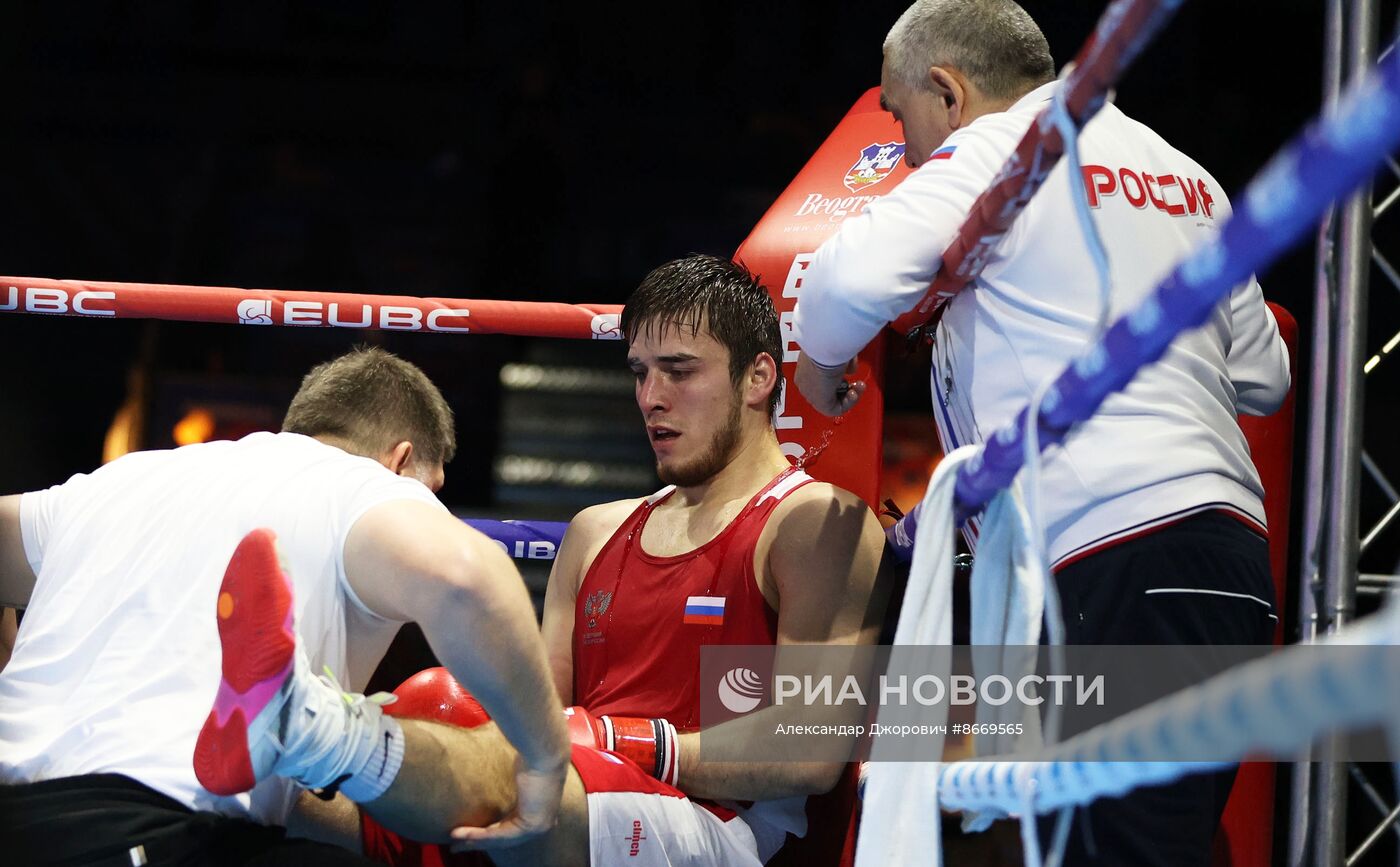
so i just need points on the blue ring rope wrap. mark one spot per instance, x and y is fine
(523, 539)
(1331, 158)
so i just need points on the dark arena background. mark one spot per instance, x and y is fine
(513, 151)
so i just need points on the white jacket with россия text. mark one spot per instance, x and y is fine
(1167, 446)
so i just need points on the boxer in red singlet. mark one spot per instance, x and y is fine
(739, 548)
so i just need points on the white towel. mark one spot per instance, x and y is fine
(1008, 599)
(899, 818)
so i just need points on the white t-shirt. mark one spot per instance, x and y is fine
(118, 660)
(1165, 447)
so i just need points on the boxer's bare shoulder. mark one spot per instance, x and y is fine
(817, 562)
(817, 518)
(588, 532)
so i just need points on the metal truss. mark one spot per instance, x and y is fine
(1337, 463)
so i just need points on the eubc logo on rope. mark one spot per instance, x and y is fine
(254, 312)
(389, 317)
(34, 299)
(607, 326)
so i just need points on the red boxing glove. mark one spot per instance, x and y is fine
(651, 743)
(585, 729)
(432, 694)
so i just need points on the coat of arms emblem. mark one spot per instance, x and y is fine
(595, 605)
(875, 164)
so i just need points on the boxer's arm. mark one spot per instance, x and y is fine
(16, 575)
(410, 561)
(587, 533)
(824, 561)
(557, 624)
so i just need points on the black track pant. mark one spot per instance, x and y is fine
(108, 819)
(1106, 600)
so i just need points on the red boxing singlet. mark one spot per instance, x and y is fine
(640, 620)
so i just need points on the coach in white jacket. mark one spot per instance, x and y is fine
(1153, 508)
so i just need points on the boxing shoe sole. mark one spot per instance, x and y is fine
(236, 745)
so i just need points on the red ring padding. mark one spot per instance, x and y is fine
(1246, 838)
(431, 694)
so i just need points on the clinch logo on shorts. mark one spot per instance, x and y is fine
(634, 840)
(1173, 195)
(389, 317)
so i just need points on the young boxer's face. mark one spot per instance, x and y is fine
(689, 404)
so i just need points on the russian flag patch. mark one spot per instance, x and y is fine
(704, 610)
(943, 153)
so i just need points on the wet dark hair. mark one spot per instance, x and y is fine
(720, 294)
(372, 400)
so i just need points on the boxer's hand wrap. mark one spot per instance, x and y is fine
(651, 743)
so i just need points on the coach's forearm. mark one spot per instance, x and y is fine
(485, 633)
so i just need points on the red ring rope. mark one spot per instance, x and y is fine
(307, 309)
